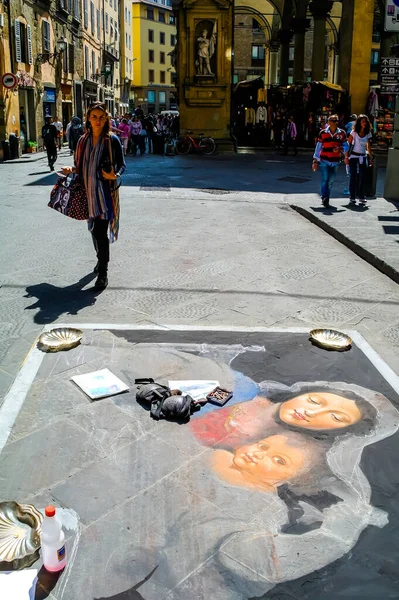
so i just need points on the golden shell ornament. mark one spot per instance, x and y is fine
(62, 338)
(20, 529)
(330, 339)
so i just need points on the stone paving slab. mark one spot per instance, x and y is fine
(158, 522)
(372, 232)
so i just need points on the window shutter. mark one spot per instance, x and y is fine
(86, 13)
(29, 37)
(17, 27)
(65, 60)
(71, 58)
(46, 36)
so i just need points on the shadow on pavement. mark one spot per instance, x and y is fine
(53, 301)
(331, 210)
(45, 583)
(132, 593)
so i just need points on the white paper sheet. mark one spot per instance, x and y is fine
(197, 389)
(18, 585)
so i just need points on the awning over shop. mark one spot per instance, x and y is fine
(331, 86)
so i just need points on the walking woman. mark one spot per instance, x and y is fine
(357, 158)
(99, 161)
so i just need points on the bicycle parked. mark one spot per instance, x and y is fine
(205, 145)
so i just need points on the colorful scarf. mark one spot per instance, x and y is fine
(88, 166)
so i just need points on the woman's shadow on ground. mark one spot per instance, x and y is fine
(53, 301)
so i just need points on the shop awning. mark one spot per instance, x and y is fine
(331, 86)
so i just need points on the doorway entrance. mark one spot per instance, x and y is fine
(27, 117)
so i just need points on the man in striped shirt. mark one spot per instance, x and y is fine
(331, 144)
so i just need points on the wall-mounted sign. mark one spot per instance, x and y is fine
(49, 95)
(9, 81)
(392, 15)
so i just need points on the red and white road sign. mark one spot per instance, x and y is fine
(9, 81)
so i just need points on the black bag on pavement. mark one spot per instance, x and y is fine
(164, 402)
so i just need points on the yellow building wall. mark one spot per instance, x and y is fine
(141, 25)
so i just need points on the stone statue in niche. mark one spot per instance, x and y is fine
(206, 47)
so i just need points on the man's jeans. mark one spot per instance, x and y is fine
(328, 175)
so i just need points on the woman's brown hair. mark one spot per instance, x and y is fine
(98, 106)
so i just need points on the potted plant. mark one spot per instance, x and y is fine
(32, 147)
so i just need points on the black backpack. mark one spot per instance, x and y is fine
(164, 402)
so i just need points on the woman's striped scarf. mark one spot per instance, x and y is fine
(88, 162)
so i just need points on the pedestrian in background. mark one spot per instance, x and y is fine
(135, 130)
(357, 157)
(50, 136)
(290, 134)
(351, 124)
(99, 162)
(331, 143)
(60, 129)
(278, 128)
(124, 133)
(75, 132)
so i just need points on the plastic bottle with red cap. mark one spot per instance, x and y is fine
(53, 542)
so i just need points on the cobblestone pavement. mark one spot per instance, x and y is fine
(203, 241)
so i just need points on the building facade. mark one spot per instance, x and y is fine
(41, 47)
(154, 40)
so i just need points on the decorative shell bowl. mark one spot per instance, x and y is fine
(330, 339)
(63, 338)
(20, 528)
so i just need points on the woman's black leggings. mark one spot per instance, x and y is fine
(101, 244)
(356, 183)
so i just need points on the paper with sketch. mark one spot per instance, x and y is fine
(100, 384)
(196, 389)
(18, 585)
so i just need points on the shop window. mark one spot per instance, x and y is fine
(162, 58)
(150, 14)
(151, 77)
(46, 36)
(151, 35)
(161, 17)
(162, 77)
(150, 55)
(151, 97)
(162, 38)
(162, 97)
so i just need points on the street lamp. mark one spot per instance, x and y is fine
(60, 47)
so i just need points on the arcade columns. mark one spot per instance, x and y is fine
(204, 67)
(319, 10)
(300, 25)
(355, 50)
(274, 48)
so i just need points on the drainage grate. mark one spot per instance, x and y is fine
(295, 179)
(215, 191)
(155, 188)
